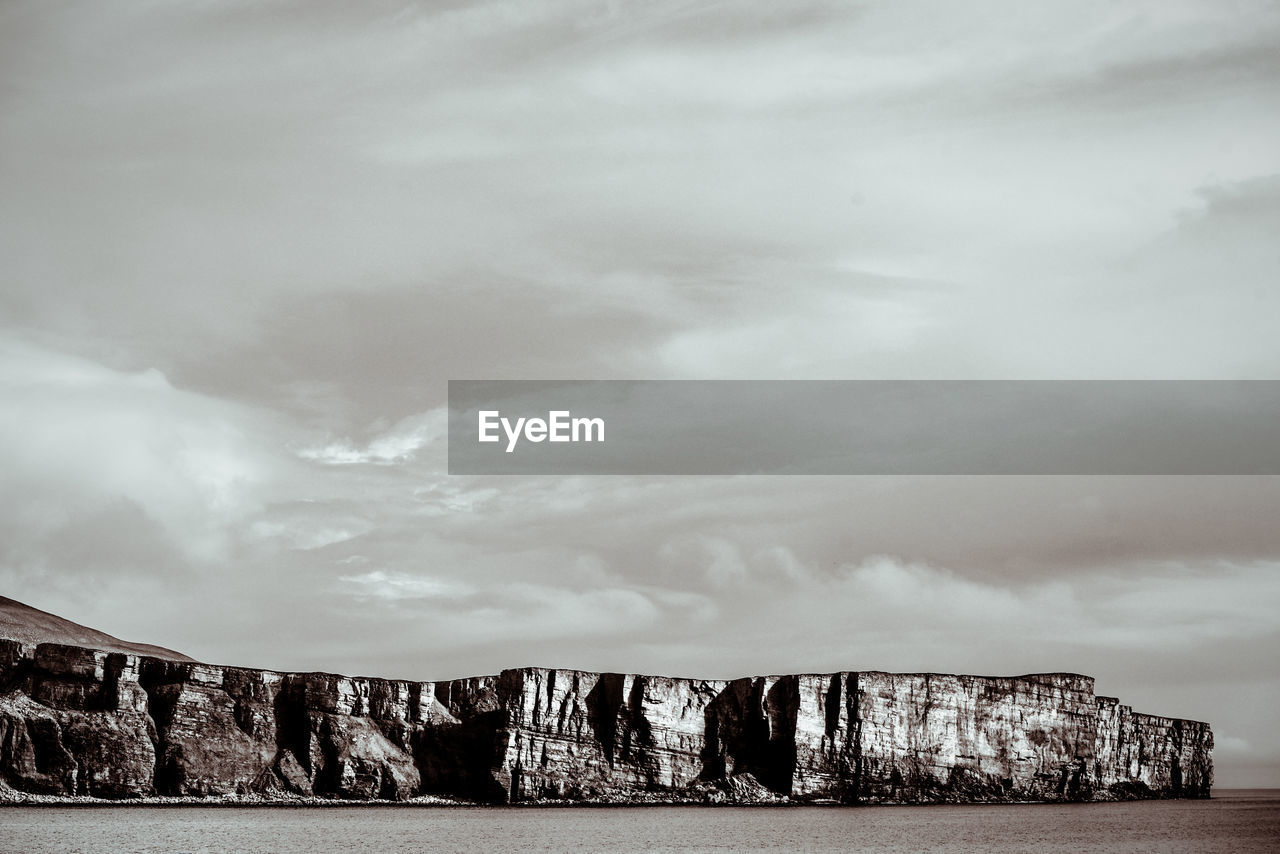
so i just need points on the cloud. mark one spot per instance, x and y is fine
(398, 585)
(676, 192)
(83, 443)
(397, 445)
(246, 246)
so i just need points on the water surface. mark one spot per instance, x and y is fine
(1233, 822)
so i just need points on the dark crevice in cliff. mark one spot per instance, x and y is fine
(779, 765)
(713, 757)
(46, 742)
(458, 758)
(513, 792)
(751, 730)
(326, 779)
(639, 732)
(242, 714)
(113, 669)
(160, 712)
(604, 701)
(831, 706)
(293, 727)
(550, 687)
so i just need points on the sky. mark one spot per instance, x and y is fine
(247, 244)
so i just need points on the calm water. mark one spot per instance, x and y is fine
(1236, 821)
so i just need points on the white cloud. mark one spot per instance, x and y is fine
(381, 584)
(76, 436)
(400, 444)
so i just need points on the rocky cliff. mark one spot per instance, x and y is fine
(79, 721)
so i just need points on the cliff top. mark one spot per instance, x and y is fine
(1039, 675)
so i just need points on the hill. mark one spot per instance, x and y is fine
(31, 625)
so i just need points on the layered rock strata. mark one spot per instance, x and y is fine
(76, 721)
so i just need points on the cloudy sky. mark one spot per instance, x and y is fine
(246, 245)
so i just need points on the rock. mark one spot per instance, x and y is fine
(579, 735)
(104, 754)
(289, 776)
(216, 726)
(360, 762)
(932, 737)
(1144, 756)
(77, 721)
(114, 753)
(746, 789)
(32, 754)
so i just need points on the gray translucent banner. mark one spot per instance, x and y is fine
(701, 427)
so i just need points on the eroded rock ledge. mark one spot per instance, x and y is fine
(83, 722)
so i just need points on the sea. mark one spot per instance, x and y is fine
(1236, 821)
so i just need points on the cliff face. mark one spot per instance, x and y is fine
(570, 734)
(77, 721)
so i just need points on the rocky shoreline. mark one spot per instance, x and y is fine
(14, 798)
